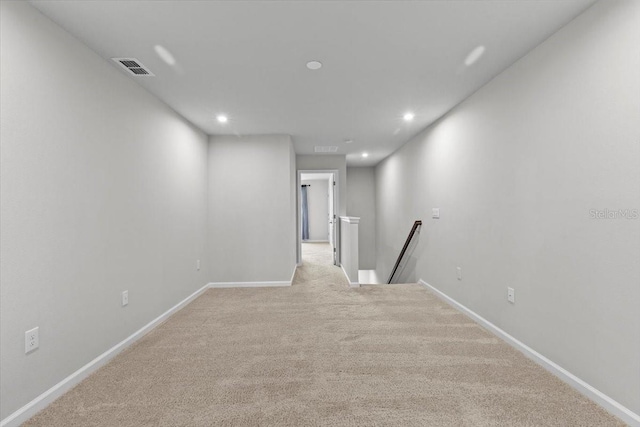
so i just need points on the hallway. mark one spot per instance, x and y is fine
(319, 353)
(317, 268)
(316, 253)
(162, 161)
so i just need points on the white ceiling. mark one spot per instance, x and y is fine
(247, 60)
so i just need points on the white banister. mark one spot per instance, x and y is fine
(349, 248)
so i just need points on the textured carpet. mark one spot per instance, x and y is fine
(321, 354)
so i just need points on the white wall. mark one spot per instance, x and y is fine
(361, 194)
(318, 208)
(252, 235)
(103, 188)
(515, 170)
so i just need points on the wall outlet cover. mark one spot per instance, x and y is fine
(31, 339)
(125, 298)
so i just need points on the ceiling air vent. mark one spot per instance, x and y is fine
(134, 66)
(326, 148)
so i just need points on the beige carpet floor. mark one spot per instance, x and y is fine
(321, 354)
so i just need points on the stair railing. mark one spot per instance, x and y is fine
(404, 248)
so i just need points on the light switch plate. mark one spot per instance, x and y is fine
(435, 213)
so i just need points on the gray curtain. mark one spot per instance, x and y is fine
(305, 214)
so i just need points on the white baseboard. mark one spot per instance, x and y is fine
(315, 241)
(351, 284)
(213, 285)
(581, 386)
(42, 401)
(248, 284)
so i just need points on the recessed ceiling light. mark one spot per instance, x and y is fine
(408, 117)
(365, 154)
(314, 65)
(222, 118)
(474, 55)
(164, 54)
(348, 141)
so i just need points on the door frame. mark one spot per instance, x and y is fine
(336, 210)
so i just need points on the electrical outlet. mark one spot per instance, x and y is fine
(125, 298)
(435, 213)
(31, 339)
(511, 295)
(459, 271)
(198, 265)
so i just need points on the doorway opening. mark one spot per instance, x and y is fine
(317, 217)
